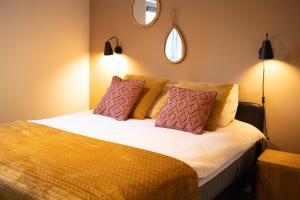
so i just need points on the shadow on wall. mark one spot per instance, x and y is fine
(296, 56)
(282, 53)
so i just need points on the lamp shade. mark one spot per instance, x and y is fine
(266, 52)
(107, 49)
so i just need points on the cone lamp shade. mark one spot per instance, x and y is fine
(108, 49)
(266, 52)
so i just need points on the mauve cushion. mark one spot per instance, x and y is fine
(120, 98)
(186, 110)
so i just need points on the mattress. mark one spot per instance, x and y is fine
(208, 154)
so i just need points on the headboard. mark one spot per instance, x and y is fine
(251, 113)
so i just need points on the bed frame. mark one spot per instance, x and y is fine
(242, 172)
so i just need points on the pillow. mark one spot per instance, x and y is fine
(217, 117)
(159, 102)
(228, 113)
(152, 88)
(120, 98)
(186, 110)
(230, 108)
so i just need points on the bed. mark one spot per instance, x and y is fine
(228, 181)
(219, 158)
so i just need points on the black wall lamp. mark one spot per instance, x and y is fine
(265, 53)
(108, 50)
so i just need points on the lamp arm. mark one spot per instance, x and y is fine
(114, 37)
(263, 84)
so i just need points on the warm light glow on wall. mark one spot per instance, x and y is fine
(78, 73)
(114, 65)
(117, 65)
(74, 78)
(105, 68)
(279, 76)
(281, 90)
(282, 82)
(250, 84)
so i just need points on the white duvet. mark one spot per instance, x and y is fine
(207, 154)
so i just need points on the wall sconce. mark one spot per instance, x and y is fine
(265, 53)
(108, 50)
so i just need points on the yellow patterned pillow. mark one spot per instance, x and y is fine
(152, 88)
(217, 117)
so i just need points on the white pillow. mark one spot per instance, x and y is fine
(230, 107)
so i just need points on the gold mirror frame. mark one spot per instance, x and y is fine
(183, 45)
(146, 25)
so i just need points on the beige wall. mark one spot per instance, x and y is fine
(223, 38)
(44, 58)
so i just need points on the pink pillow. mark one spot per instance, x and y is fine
(186, 110)
(120, 98)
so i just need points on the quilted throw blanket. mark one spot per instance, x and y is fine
(40, 162)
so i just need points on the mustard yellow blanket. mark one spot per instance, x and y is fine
(39, 162)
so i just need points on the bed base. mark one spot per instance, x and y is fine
(229, 182)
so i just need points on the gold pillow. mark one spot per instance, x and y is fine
(216, 117)
(158, 106)
(152, 88)
(159, 102)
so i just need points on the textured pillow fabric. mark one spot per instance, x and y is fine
(186, 110)
(152, 88)
(119, 98)
(217, 117)
(160, 101)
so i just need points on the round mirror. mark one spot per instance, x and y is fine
(145, 12)
(175, 46)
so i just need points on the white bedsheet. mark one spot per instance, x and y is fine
(207, 154)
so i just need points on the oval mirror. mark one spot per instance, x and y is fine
(175, 46)
(145, 12)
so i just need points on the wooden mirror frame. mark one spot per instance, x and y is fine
(183, 45)
(146, 25)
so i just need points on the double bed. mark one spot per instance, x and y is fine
(218, 158)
